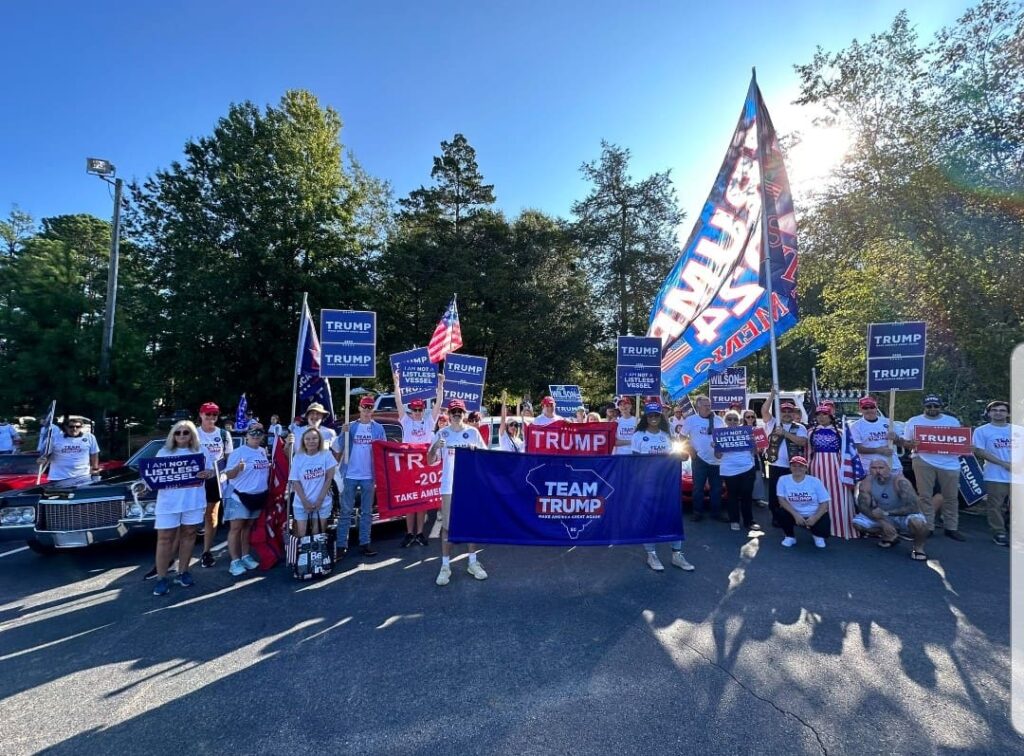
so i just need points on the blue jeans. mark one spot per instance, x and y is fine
(705, 473)
(676, 546)
(366, 490)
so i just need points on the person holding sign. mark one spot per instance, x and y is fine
(698, 430)
(996, 443)
(547, 413)
(873, 436)
(803, 501)
(312, 471)
(444, 445)
(653, 438)
(416, 429)
(510, 434)
(249, 469)
(737, 470)
(930, 467)
(180, 510)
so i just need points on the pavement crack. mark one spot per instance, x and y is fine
(758, 696)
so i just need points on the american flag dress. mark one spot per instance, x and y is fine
(826, 462)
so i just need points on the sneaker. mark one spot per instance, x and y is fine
(421, 539)
(409, 540)
(207, 560)
(367, 551)
(162, 587)
(237, 567)
(250, 562)
(477, 570)
(734, 526)
(654, 563)
(1000, 539)
(789, 542)
(753, 526)
(444, 575)
(184, 580)
(151, 574)
(678, 560)
(819, 542)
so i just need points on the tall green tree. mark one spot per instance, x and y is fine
(628, 228)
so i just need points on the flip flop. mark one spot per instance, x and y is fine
(888, 544)
(918, 556)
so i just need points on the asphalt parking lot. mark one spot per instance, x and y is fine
(761, 650)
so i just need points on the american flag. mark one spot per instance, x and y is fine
(447, 336)
(853, 468)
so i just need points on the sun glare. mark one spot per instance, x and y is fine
(816, 157)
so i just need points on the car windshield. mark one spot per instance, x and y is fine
(386, 403)
(18, 464)
(147, 451)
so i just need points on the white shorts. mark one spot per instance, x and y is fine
(171, 520)
(900, 522)
(301, 515)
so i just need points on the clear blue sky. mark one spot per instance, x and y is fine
(534, 86)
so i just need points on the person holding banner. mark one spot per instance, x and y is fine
(889, 507)
(359, 473)
(248, 468)
(698, 430)
(510, 433)
(995, 443)
(653, 438)
(445, 442)
(217, 442)
(180, 510)
(737, 471)
(930, 468)
(416, 429)
(785, 438)
(803, 501)
(547, 413)
(825, 443)
(74, 455)
(312, 471)
(626, 426)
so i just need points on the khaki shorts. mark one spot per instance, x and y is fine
(446, 509)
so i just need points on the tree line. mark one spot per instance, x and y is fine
(923, 221)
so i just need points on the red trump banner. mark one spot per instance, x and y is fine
(580, 439)
(405, 482)
(938, 440)
(760, 439)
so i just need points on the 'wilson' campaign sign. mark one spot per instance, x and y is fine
(638, 365)
(567, 398)
(896, 356)
(348, 344)
(178, 471)
(728, 387)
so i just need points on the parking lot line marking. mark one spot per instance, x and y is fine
(14, 551)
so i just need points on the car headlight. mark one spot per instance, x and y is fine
(28, 515)
(135, 510)
(151, 508)
(17, 516)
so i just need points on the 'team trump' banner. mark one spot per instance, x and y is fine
(713, 310)
(543, 500)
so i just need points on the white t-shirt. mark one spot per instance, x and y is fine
(416, 431)
(327, 434)
(543, 420)
(360, 454)
(70, 455)
(171, 500)
(215, 443)
(676, 424)
(804, 497)
(310, 470)
(940, 461)
(625, 428)
(453, 439)
(7, 437)
(275, 430)
(1005, 442)
(799, 430)
(645, 442)
(873, 434)
(695, 428)
(736, 462)
(255, 477)
(509, 444)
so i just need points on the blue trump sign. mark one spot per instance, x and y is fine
(464, 378)
(972, 482)
(348, 344)
(174, 471)
(546, 500)
(896, 356)
(638, 365)
(567, 398)
(414, 374)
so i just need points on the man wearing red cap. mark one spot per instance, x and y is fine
(445, 442)
(217, 442)
(359, 473)
(873, 437)
(547, 413)
(787, 437)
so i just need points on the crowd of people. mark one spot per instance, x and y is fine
(798, 473)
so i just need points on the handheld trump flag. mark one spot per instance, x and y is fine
(713, 309)
(448, 334)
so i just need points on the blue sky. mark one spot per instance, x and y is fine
(534, 86)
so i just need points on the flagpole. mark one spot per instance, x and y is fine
(765, 250)
(298, 358)
(455, 308)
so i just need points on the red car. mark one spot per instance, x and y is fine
(19, 471)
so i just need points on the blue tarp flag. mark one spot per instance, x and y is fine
(241, 421)
(312, 387)
(712, 309)
(545, 500)
(46, 428)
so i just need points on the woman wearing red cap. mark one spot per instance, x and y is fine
(417, 429)
(217, 442)
(825, 444)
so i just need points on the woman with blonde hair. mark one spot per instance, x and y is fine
(311, 474)
(180, 510)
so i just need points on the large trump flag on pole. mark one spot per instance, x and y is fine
(713, 308)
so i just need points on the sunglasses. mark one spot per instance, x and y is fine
(750, 417)
(514, 425)
(455, 413)
(255, 433)
(731, 420)
(417, 409)
(933, 406)
(182, 433)
(75, 427)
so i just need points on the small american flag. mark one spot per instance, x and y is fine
(447, 336)
(853, 468)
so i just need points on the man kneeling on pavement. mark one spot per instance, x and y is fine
(889, 506)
